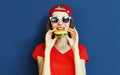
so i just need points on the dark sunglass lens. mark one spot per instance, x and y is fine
(54, 20)
(65, 19)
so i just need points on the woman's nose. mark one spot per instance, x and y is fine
(60, 22)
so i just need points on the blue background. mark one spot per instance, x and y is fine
(22, 27)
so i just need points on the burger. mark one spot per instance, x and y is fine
(60, 32)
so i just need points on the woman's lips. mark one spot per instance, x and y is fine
(60, 27)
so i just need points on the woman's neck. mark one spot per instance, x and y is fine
(61, 41)
(62, 45)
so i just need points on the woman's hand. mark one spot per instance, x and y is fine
(74, 39)
(49, 41)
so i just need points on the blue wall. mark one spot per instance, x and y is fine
(22, 24)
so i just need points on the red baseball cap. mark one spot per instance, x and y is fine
(66, 9)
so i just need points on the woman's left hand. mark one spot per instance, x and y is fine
(74, 39)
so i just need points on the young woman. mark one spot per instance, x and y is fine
(61, 55)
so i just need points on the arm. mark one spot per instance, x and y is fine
(40, 61)
(79, 63)
(44, 64)
(46, 68)
(49, 42)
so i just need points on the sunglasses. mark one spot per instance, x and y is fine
(56, 19)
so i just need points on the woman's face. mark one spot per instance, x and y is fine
(60, 20)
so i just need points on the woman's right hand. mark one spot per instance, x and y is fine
(49, 41)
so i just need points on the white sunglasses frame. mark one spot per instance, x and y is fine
(60, 18)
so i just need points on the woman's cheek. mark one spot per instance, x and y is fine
(53, 26)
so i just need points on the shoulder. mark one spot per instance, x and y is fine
(81, 46)
(38, 51)
(83, 52)
(40, 46)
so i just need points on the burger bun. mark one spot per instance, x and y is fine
(60, 32)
